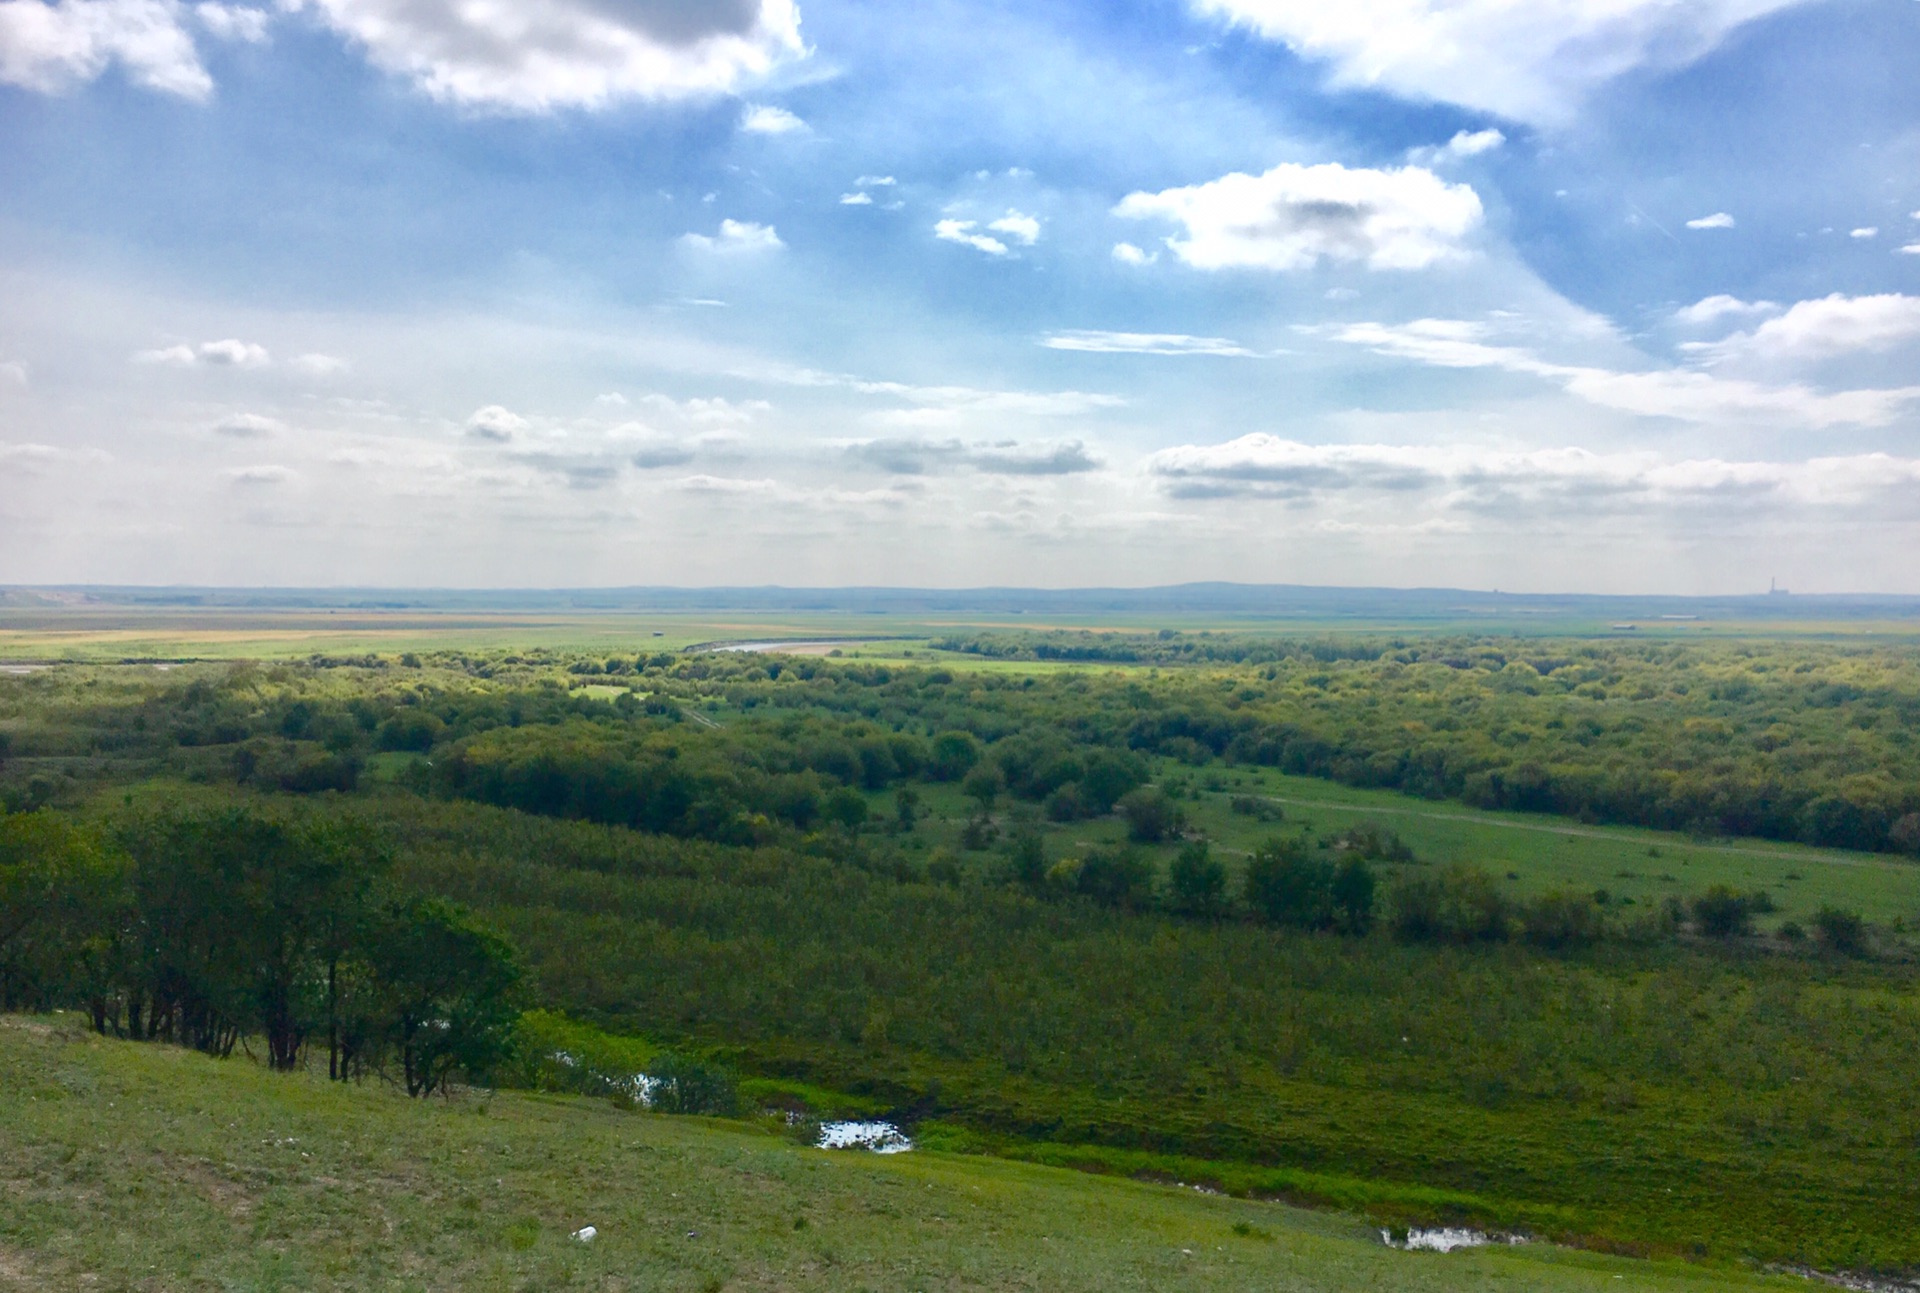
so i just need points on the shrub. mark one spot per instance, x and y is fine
(1151, 816)
(1840, 932)
(1197, 882)
(1287, 885)
(1461, 904)
(1116, 877)
(1722, 912)
(682, 1084)
(1563, 918)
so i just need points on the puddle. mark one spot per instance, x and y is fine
(879, 1137)
(21, 669)
(1851, 1280)
(1443, 1239)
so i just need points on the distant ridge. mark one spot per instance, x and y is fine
(1251, 601)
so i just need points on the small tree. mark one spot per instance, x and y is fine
(1723, 912)
(1151, 816)
(983, 785)
(1116, 877)
(1564, 918)
(1197, 883)
(1353, 895)
(1027, 860)
(1840, 932)
(1905, 834)
(846, 808)
(906, 808)
(449, 989)
(1286, 885)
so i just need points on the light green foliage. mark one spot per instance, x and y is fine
(149, 1167)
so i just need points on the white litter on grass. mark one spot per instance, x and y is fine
(1444, 1239)
(585, 1234)
(880, 1137)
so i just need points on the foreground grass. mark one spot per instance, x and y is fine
(146, 1167)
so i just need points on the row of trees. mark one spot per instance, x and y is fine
(206, 928)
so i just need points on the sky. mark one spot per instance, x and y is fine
(1537, 295)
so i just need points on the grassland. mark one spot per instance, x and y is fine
(1535, 853)
(145, 1167)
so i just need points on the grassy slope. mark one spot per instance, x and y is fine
(125, 1166)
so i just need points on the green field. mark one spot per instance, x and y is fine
(131, 1167)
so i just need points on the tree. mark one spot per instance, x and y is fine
(952, 756)
(1197, 883)
(449, 991)
(1904, 834)
(1285, 885)
(63, 903)
(1722, 912)
(1840, 932)
(846, 808)
(1353, 894)
(906, 808)
(1116, 877)
(1027, 860)
(1151, 816)
(984, 785)
(1563, 918)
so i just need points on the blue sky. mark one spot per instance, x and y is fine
(1599, 295)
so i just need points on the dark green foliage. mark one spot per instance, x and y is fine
(1286, 885)
(1722, 912)
(449, 987)
(1563, 918)
(1354, 887)
(983, 785)
(1115, 877)
(952, 755)
(1458, 905)
(1151, 816)
(1840, 932)
(1197, 883)
(682, 1084)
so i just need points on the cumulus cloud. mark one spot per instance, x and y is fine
(53, 47)
(1718, 220)
(1542, 482)
(764, 119)
(881, 181)
(543, 55)
(1128, 254)
(1911, 249)
(496, 424)
(961, 231)
(318, 365)
(1712, 309)
(856, 200)
(1824, 328)
(1473, 143)
(233, 22)
(921, 457)
(708, 410)
(1021, 228)
(1142, 343)
(736, 236)
(1671, 393)
(1868, 232)
(229, 353)
(248, 426)
(1528, 61)
(1294, 216)
(661, 453)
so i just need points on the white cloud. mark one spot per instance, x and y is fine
(913, 457)
(52, 47)
(961, 231)
(765, 119)
(1671, 393)
(1867, 232)
(1531, 60)
(233, 22)
(543, 55)
(1832, 325)
(248, 426)
(1021, 228)
(1718, 220)
(318, 365)
(1143, 343)
(1710, 310)
(709, 411)
(230, 353)
(1128, 254)
(1294, 216)
(263, 474)
(1472, 144)
(856, 200)
(736, 236)
(495, 424)
(881, 181)
(1911, 249)
(13, 373)
(1542, 482)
